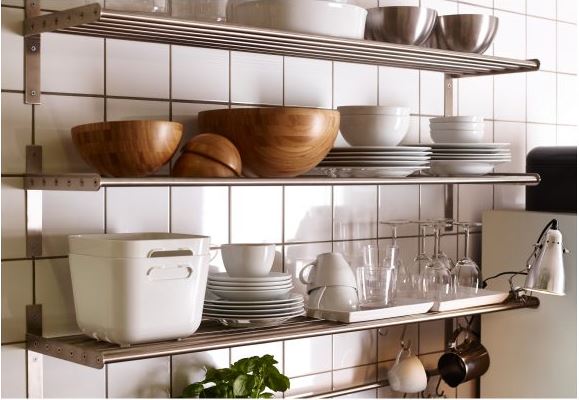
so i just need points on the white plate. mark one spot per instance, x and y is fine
(253, 312)
(421, 154)
(332, 163)
(247, 289)
(437, 146)
(254, 307)
(251, 294)
(482, 298)
(253, 323)
(473, 151)
(272, 277)
(253, 316)
(376, 158)
(464, 118)
(261, 285)
(380, 148)
(479, 157)
(462, 167)
(365, 172)
(291, 298)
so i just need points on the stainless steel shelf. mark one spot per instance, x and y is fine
(84, 350)
(93, 182)
(92, 20)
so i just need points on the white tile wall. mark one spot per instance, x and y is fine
(88, 383)
(142, 78)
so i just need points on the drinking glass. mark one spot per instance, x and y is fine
(392, 259)
(438, 254)
(412, 281)
(466, 275)
(435, 279)
(375, 286)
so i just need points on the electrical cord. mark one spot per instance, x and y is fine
(485, 284)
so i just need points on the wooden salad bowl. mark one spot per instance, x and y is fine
(127, 149)
(275, 142)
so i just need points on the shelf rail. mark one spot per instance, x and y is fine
(92, 20)
(83, 350)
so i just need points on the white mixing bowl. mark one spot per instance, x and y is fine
(377, 126)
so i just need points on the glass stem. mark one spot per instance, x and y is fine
(436, 240)
(466, 241)
(422, 239)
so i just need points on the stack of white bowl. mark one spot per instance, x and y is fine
(464, 129)
(374, 125)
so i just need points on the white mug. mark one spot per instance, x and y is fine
(407, 374)
(329, 269)
(248, 260)
(334, 298)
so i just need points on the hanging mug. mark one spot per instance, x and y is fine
(465, 361)
(407, 374)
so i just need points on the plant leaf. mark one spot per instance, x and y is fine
(266, 395)
(242, 385)
(276, 381)
(193, 391)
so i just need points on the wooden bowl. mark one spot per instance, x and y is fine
(127, 148)
(191, 165)
(217, 148)
(275, 142)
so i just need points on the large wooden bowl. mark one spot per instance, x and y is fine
(275, 142)
(127, 148)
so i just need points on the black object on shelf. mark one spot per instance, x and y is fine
(557, 191)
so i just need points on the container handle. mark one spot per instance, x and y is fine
(167, 274)
(182, 252)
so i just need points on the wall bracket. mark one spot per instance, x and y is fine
(32, 60)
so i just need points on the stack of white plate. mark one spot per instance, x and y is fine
(464, 129)
(255, 300)
(375, 161)
(456, 159)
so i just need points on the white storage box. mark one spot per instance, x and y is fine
(136, 288)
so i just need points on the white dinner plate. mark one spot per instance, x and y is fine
(507, 157)
(380, 148)
(245, 288)
(252, 294)
(252, 323)
(283, 306)
(332, 163)
(375, 158)
(291, 298)
(376, 172)
(261, 285)
(253, 316)
(272, 277)
(474, 151)
(462, 167)
(253, 312)
(437, 146)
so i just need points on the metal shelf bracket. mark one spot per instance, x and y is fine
(32, 58)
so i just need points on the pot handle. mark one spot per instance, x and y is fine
(302, 272)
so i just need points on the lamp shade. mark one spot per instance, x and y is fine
(547, 274)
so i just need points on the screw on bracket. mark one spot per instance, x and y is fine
(33, 92)
(33, 48)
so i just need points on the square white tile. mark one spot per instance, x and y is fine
(16, 132)
(308, 213)
(199, 74)
(88, 383)
(307, 82)
(12, 51)
(354, 348)
(366, 394)
(398, 202)
(126, 110)
(79, 69)
(443, 7)
(511, 39)
(518, 6)
(13, 371)
(473, 200)
(511, 196)
(432, 201)
(310, 385)
(567, 99)
(201, 211)
(355, 84)
(567, 10)
(137, 69)
(357, 376)
(53, 286)
(190, 368)
(543, 107)
(510, 93)
(542, 42)
(431, 337)
(13, 219)
(256, 214)
(69, 213)
(256, 78)
(137, 210)
(475, 97)
(542, 8)
(399, 87)
(566, 47)
(53, 124)
(298, 256)
(540, 135)
(274, 348)
(355, 212)
(149, 378)
(17, 287)
(567, 136)
(307, 356)
(389, 341)
(431, 93)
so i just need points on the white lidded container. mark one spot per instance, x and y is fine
(138, 287)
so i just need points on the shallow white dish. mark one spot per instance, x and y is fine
(253, 285)
(457, 125)
(272, 277)
(381, 149)
(378, 172)
(213, 288)
(482, 298)
(253, 315)
(473, 151)
(364, 163)
(374, 129)
(251, 294)
(314, 17)
(436, 146)
(403, 308)
(291, 298)
(462, 167)
(373, 110)
(283, 306)
(253, 323)
(253, 312)
(375, 158)
(448, 136)
(464, 118)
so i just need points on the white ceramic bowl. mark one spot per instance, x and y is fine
(248, 260)
(374, 126)
(462, 167)
(456, 136)
(457, 125)
(373, 110)
(316, 17)
(464, 118)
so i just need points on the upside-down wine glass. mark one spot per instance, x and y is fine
(466, 275)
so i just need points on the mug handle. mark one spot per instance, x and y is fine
(402, 351)
(307, 267)
(215, 249)
(452, 344)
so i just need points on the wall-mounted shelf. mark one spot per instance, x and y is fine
(81, 349)
(93, 182)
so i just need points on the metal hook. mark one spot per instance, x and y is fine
(436, 391)
(383, 331)
(404, 344)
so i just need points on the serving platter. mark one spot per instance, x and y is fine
(483, 297)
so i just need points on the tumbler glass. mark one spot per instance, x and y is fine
(375, 286)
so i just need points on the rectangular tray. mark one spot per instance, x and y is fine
(409, 307)
(482, 298)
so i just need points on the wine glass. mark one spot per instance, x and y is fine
(392, 259)
(412, 279)
(438, 254)
(435, 279)
(466, 275)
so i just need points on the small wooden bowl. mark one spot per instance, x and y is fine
(217, 148)
(276, 142)
(191, 165)
(127, 148)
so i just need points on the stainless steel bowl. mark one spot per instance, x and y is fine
(401, 25)
(471, 33)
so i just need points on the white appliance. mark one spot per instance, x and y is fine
(533, 352)
(138, 287)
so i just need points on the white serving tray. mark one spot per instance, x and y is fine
(408, 307)
(482, 298)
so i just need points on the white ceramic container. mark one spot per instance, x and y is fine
(248, 260)
(383, 126)
(463, 118)
(462, 167)
(129, 300)
(457, 125)
(316, 17)
(454, 136)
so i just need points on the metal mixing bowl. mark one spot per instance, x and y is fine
(471, 33)
(401, 25)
